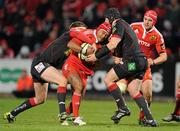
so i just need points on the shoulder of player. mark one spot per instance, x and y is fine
(157, 33)
(88, 31)
(136, 24)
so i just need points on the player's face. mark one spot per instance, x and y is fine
(148, 22)
(102, 35)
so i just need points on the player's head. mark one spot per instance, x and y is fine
(103, 31)
(111, 14)
(78, 24)
(150, 19)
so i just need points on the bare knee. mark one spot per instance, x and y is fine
(148, 96)
(107, 81)
(78, 88)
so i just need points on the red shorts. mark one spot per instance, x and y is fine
(68, 69)
(147, 75)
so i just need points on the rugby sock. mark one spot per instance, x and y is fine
(117, 95)
(69, 109)
(141, 113)
(141, 102)
(61, 96)
(76, 99)
(177, 107)
(24, 106)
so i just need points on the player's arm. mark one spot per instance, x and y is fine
(75, 45)
(77, 33)
(160, 47)
(118, 32)
(160, 59)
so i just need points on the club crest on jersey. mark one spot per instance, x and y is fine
(67, 52)
(153, 37)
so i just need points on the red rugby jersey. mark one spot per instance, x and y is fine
(151, 42)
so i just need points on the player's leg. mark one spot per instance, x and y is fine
(146, 90)
(40, 96)
(175, 116)
(75, 80)
(52, 75)
(114, 90)
(134, 91)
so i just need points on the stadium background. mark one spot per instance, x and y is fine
(28, 26)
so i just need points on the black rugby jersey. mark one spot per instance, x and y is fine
(56, 52)
(128, 46)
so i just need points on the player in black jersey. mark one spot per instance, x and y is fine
(124, 44)
(44, 69)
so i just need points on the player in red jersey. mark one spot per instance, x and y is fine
(152, 45)
(77, 70)
(44, 69)
(175, 116)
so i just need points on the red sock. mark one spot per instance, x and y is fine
(32, 102)
(177, 108)
(112, 87)
(141, 115)
(76, 99)
(69, 108)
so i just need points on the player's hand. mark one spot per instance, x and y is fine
(91, 58)
(150, 62)
(90, 50)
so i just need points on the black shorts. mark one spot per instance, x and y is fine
(37, 68)
(133, 68)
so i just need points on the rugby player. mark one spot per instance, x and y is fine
(77, 70)
(44, 68)
(152, 45)
(175, 116)
(124, 44)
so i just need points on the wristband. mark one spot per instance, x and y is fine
(102, 52)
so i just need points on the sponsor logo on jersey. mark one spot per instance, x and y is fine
(144, 43)
(39, 67)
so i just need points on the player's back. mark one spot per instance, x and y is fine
(128, 47)
(56, 52)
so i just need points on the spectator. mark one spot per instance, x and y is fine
(24, 85)
(24, 52)
(5, 51)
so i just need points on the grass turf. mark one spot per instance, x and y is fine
(96, 113)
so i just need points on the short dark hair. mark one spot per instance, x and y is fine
(77, 24)
(112, 14)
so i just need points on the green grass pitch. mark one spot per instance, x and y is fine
(96, 113)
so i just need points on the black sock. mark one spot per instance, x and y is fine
(141, 102)
(61, 102)
(24, 106)
(117, 95)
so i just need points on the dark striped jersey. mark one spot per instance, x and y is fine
(56, 52)
(128, 46)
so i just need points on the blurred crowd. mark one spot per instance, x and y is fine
(27, 27)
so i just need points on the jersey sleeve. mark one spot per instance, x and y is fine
(74, 33)
(118, 30)
(77, 41)
(160, 45)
